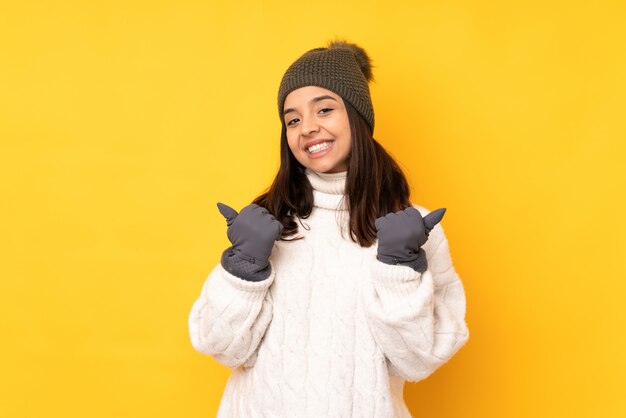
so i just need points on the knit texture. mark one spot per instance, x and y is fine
(332, 332)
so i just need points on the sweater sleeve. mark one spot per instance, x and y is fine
(230, 317)
(417, 319)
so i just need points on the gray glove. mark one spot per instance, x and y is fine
(402, 234)
(252, 233)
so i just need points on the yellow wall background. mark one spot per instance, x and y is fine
(122, 123)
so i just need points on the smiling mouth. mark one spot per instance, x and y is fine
(319, 147)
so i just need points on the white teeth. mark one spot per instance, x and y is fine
(319, 147)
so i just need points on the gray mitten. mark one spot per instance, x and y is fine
(402, 234)
(252, 233)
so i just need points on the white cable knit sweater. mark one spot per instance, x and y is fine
(333, 332)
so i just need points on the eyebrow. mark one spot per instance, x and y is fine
(315, 99)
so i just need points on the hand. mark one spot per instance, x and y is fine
(401, 235)
(252, 232)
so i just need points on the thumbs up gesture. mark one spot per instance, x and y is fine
(401, 235)
(252, 232)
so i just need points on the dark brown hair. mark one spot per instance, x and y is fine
(375, 185)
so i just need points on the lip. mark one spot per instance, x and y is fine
(322, 153)
(317, 141)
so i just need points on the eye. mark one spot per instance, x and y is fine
(321, 110)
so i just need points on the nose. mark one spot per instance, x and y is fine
(309, 125)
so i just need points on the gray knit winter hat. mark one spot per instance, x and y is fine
(342, 67)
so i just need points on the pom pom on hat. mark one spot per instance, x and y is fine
(365, 63)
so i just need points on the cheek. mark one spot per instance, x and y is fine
(293, 143)
(341, 125)
(345, 133)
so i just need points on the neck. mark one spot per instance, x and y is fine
(331, 176)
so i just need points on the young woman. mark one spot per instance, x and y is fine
(363, 297)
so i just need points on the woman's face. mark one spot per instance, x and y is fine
(314, 115)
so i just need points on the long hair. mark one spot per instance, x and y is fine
(375, 185)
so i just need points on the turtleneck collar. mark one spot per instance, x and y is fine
(328, 189)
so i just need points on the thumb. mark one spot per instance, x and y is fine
(229, 213)
(433, 219)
